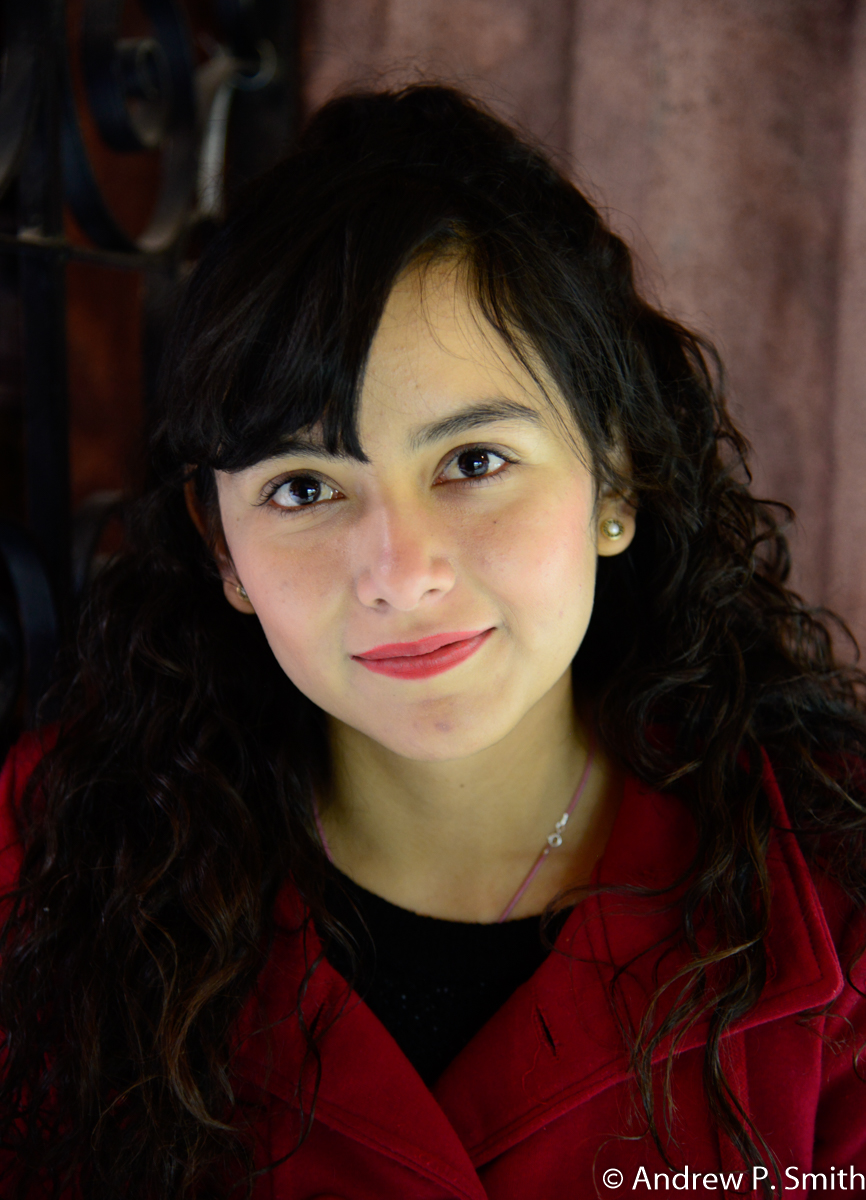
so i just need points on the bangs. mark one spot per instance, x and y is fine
(284, 349)
(275, 328)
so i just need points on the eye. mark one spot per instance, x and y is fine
(302, 491)
(476, 462)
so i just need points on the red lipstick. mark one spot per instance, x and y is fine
(428, 656)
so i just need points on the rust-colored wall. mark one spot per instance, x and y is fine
(727, 142)
(725, 160)
(846, 509)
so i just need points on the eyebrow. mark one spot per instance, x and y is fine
(465, 418)
(305, 446)
(471, 418)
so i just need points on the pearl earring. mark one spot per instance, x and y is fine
(612, 528)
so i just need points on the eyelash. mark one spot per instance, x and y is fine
(471, 481)
(275, 485)
(284, 510)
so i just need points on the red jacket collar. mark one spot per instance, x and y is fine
(556, 1042)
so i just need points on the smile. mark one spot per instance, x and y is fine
(426, 657)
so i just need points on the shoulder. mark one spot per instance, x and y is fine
(816, 898)
(815, 929)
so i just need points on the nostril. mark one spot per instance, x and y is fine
(404, 585)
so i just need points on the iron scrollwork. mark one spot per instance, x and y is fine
(143, 93)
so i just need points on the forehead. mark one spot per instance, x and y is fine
(435, 351)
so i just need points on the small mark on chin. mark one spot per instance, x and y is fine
(443, 726)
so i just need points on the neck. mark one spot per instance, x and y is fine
(455, 839)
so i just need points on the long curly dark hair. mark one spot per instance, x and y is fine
(177, 799)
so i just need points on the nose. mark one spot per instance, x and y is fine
(400, 562)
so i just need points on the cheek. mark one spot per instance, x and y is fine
(295, 591)
(541, 559)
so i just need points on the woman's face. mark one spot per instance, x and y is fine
(431, 596)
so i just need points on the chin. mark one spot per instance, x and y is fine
(441, 737)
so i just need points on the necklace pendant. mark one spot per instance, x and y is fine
(554, 840)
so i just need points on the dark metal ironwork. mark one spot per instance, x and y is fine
(143, 94)
(25, 34)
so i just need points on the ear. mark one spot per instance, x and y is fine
(615, 524)
(232, 587)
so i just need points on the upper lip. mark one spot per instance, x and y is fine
(425, 645)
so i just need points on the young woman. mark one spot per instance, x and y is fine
(448, 799)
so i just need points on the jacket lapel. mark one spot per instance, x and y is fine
(368, 1089)
(557, 1041)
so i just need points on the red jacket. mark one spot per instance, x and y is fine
(540, 1103)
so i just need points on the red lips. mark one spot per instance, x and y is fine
(428, 656)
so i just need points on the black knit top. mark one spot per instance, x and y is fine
(432, 983)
